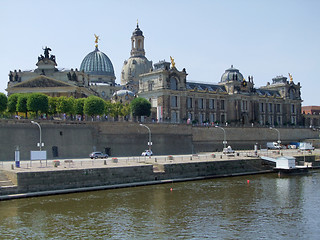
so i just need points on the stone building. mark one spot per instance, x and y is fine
(95, 77)
(137, 64)
(311, 116)
(233, 100)
(48, 79)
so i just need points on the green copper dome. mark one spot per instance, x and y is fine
(97, 63)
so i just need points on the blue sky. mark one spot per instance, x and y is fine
(262, 38)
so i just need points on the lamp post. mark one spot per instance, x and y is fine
(224, 137)
(149, 143)
(279, 141)
(40, 143)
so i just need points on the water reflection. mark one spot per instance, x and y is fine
(227, 208)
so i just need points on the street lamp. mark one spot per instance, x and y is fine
(40, 143)
(224, 137)
(279, 141)
(149, 143)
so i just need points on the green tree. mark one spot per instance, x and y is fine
(38, 103)
(94, 106)
(65, 105)
(140, 107)
(78, 106)
(53, 102)
(108, 107)
(3, 102)
(126, 110)
(12, 102)
(22, 104)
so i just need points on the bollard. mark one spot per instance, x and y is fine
(105, 162)
(12, 167)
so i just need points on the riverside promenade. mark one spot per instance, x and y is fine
(47, 177)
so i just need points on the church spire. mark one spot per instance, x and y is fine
(137, 43)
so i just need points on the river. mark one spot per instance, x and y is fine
(251, 207)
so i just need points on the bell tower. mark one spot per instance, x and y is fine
(137, 43)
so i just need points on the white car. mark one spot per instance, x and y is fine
(147, 153)
(228, 150)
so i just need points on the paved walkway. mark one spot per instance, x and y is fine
(84, 163)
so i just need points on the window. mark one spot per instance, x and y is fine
(150, 86)
(244, 106)
(278, 108)
(211, 104)
(222, 105)
(261, 107)
(189, 102)
(200, 103)
(293, 109)
(174, 101)
(212, 117)
(173, 84)
(270, 107)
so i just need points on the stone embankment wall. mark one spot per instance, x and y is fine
(77, 139)
(35, 181)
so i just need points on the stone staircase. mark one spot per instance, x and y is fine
(4, 181)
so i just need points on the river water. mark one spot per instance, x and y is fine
(250, 207)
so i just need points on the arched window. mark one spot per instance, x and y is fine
(173, 83)
(292, 93)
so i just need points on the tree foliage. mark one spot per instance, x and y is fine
(140, 107)
(22, 104)
(3, 102)
(94, 106)
(12, 102)
(79, 105)
(38, 103)
(53, 102)
(65, 105)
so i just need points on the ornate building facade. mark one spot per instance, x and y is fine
(233, 100)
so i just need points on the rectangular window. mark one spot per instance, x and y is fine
(293, 109)
(211, 104)
(189, 103)
(222, 104)
(261, 107)
(278, 108)
(200, 103)
(244, 106)
(270, 107)
(212, 117)
(174, 101)
(150, 86)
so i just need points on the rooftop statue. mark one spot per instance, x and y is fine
(291, 78)
(97, 39)
(172, 62)
(46, 52)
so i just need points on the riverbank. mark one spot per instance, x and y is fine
(77, 175)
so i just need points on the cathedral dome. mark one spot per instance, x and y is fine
(137, 32)
(97, 63)
(231, 74)
(133, 67)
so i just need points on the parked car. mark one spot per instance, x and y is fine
(98, 155)
(228, 150)
(147, 153)
(273, 145)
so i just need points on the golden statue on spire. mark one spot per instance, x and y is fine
(172, 62)
(291, 78)
(97, 39)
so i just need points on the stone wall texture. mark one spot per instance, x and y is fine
(77, 139)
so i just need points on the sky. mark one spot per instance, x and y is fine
(261, 38)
